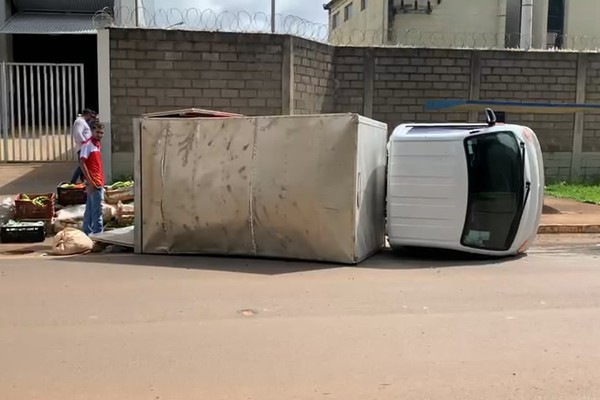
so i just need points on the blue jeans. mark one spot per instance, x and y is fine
(92, 218)
(78, 172)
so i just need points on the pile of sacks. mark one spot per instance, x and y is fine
(68, 221)
(119, 216)
(124, 214)
(68, 224)
(72, 216)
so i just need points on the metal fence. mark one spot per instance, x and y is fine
(256, 22)
(38, 103)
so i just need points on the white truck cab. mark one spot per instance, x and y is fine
(476, 188)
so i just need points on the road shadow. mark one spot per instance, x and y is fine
(550, 210)
(422, 258)
(8, 249)
(386, 259)
(33, 178)
(258, 266)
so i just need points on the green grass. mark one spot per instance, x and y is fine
(579, 192)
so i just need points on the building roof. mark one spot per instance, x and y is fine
(55, 23)
(328, 6)
(71, 6)
(55, 16)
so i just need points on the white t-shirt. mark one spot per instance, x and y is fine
(80, 132)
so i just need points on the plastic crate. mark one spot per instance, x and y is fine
(119, 195)
(25, 209)
(23, 234)
(71, 197)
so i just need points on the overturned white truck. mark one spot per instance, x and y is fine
(476, 188)
(313, 187)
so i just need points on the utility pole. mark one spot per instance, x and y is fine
(272, 16)
(540, 23)
(526, 24)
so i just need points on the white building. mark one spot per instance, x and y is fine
(466, 23)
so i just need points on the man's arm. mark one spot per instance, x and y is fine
(86, 173)
(78, 132)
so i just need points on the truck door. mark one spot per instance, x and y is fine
(495, 167)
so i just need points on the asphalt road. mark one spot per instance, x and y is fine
(396, 327)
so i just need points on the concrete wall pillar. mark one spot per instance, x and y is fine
(475, 83)
(104, 101)
(287, 77)
(540, 23)
(369, 78)
(582, 66)
(526, 24)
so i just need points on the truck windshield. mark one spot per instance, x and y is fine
(495, 164)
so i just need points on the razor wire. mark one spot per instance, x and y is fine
(209, 20)
(258, 22)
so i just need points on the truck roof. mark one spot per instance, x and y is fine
(439, 130)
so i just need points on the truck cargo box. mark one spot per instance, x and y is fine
(295, 187)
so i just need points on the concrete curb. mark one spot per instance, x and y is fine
(567, 228)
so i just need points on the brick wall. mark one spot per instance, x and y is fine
(349, 79)
(313, 77)
(155, 70)
(405, 78)
(557, 166)
(534, 77)
(258, 74)
(590, 166)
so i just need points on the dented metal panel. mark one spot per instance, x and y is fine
(196, 178)
(287, 187)
(190, 113)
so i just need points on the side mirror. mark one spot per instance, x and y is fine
(490, 117)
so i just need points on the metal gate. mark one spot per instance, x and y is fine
(38, 104)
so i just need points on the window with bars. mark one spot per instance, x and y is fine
(335, 20)
(415, 6)
(348, 12)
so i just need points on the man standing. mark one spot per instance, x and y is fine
(81, 132)
(91, 166)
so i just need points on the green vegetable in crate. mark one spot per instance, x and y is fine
(68, 186)
(120, 185)
(40, 201)
(24, 197)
